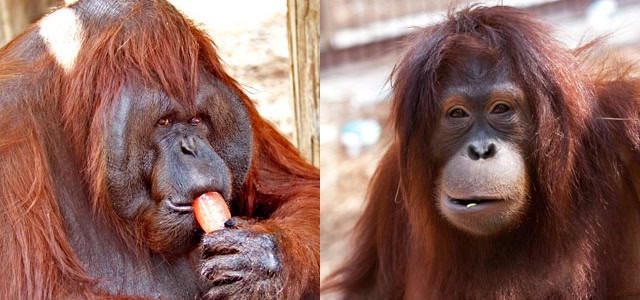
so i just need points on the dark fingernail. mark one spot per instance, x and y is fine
(230, 223)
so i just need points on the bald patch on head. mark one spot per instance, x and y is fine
(62, 32)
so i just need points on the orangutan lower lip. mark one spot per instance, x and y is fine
(178, 208)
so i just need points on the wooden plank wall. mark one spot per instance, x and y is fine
(303, 24)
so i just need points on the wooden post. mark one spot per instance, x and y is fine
(303, 24)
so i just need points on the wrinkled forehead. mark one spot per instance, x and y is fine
(138, 107)
(474, 76)
(473, 68)
(211, 87)
(142, 93)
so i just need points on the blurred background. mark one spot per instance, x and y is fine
(253, 41)
(360, 42)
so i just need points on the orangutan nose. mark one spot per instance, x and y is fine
(481, 150)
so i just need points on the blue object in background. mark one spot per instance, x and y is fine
(356, 135)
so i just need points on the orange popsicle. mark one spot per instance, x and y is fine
(211, 211)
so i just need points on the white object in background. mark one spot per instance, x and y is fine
(601, 13)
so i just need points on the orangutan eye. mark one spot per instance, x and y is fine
(458, 113)
(195, 120)
(500, 108)
(164, 121)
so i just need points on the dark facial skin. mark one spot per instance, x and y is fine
(485, 121)
(162, 155)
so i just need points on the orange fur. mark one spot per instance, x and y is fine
(50, 117)
(576, 241)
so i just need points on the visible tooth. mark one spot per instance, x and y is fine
(470, 205)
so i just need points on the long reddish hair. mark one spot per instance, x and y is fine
(152, 42)
(408, 250)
